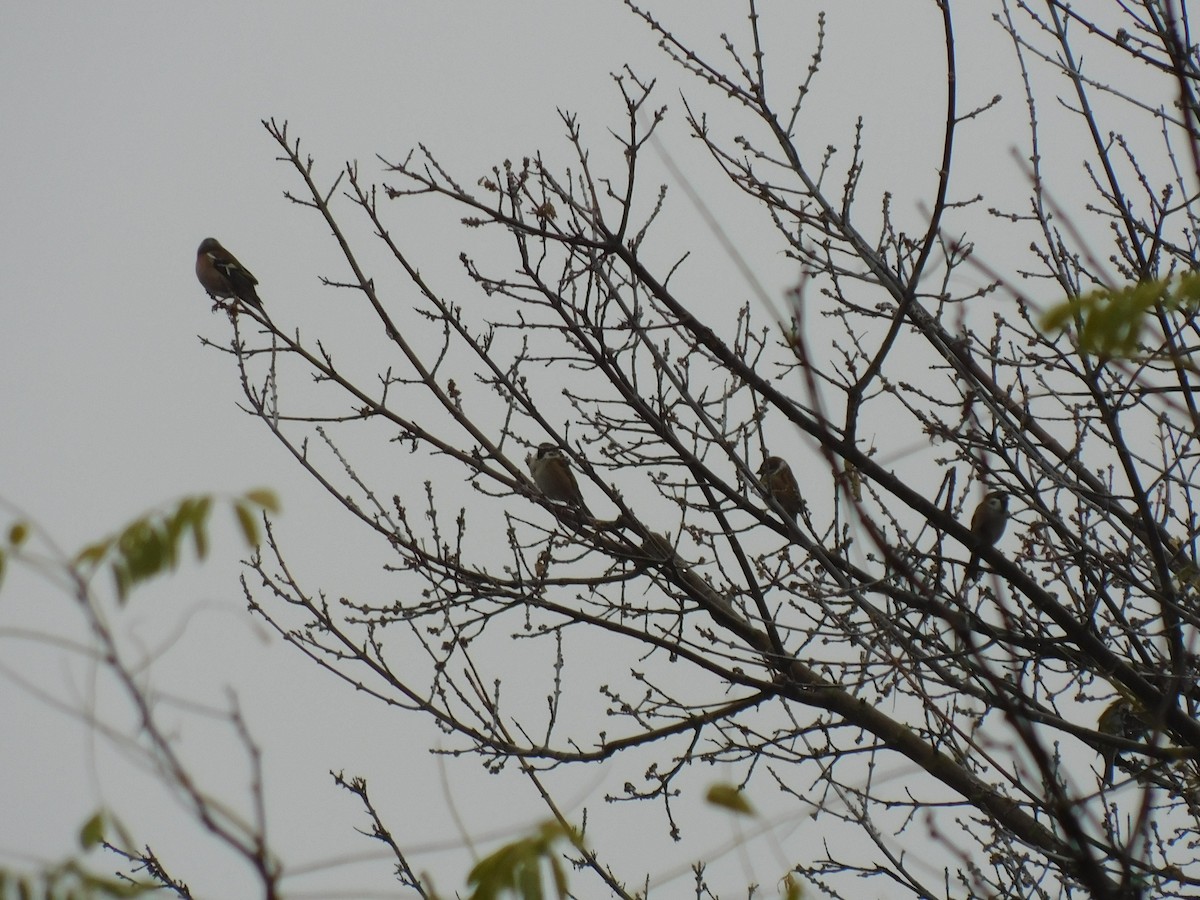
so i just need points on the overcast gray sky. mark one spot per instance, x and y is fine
(130, 132)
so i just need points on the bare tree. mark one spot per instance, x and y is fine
(805, 641)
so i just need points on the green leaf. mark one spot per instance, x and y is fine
(530, 882)
(193, 514)
(93, 554)
(153, 544)
(264, 498)
(791, 888)
(1112, 322)
(122, 581)
(516, 868)
(17, 533)
(200, 538)
(92, 832)
(248, 522)
(729, 797)
(145, 549)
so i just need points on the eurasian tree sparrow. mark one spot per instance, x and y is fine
(780, 485)
(987, 526)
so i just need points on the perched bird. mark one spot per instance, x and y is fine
(1119, 719)
(1181, 564)
(554, 478)
(987, 526)
(780, 485)
(223, 276)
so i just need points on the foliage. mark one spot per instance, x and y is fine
(71, 879)
(1114, 322)
(151, 544)
(516, 868)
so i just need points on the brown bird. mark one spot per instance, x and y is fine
(223, 276)
(554, 478)
(987, 526)
(780, 485)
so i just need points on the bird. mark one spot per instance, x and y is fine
(780, 485)
(223, 276)
(1181, 564)
(987, 526)
(1119, 719)
(554, 478)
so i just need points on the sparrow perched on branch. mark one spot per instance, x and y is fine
(780, 485)
(554, 478)
(1120, 719)
(987, 526)
(223, 276)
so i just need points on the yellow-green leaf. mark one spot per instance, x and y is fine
(18, 533)
(248, 522)
(197, 515)
(791, 888)
(93, 554)
(154, 543)
(1112, 322)
(200, 539)
(92, 832)
(516, 868)
(729, 797)
(123, 580)
(264, 498)
(530, 882)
